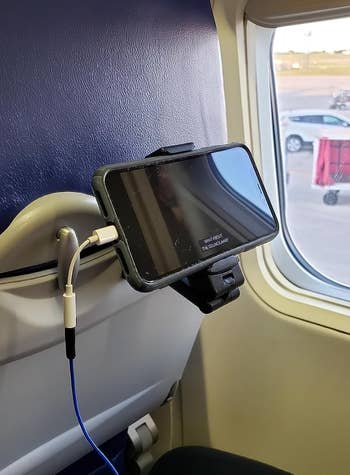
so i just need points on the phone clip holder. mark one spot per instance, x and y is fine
(219, 283)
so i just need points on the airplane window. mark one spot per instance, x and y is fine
(312, 77)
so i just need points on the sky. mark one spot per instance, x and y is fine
(330, 35)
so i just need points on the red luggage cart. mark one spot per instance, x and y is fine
(331, 167)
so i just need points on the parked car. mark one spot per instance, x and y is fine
(301, 127)
(341, 100)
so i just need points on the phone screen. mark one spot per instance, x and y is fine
(175, 214)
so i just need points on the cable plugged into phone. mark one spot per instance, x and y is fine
(99, 237)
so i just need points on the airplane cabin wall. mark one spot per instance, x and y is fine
(261, 382)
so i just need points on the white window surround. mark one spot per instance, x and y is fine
(282, 282)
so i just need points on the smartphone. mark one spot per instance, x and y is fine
(178, 214)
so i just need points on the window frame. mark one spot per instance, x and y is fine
(290, 263)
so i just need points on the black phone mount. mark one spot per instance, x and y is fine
(219, 283)
(214, 286)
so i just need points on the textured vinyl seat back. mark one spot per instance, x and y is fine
(88, 82)
(85, 83)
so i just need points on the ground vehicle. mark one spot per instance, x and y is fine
(331, 168)
(302, 127)
(341, 100)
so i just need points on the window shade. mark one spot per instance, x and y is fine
(273, 13)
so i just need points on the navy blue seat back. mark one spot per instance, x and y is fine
(88, 82)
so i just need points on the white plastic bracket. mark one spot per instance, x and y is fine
(143, 434)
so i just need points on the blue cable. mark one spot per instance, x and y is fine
(81, 423)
